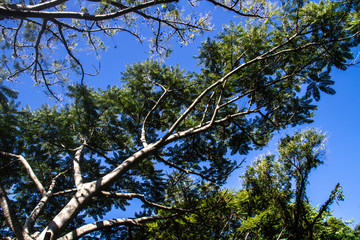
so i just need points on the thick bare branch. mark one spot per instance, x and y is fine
(76, 165)
(87, 190)
(83, 230)
(7, 12)
(10, 215)
(37, 7)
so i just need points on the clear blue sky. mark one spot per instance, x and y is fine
(338, 115)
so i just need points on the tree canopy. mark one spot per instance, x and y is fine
(61, 165)
(46, 38)
(273, 203)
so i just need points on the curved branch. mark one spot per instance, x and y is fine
(15, 37)
(143, 129)
(216, 3)
(326, 205)
(70, 52)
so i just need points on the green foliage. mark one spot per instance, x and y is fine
(5, 94)
(212, 216)
(107, 147)
(271, 205)
(49, 42)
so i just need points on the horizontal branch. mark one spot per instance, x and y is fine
(36, 7)
(9, 12)
(65, 192)
(142, 198)
(83, 230)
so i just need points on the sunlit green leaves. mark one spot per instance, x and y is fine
(271, 205)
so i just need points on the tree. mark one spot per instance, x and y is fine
(269, 184)
(272, 204)
(63, 164)
(33, 32)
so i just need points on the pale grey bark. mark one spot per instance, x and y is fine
(76, 165)
(29, 169)
(81, 231)
(10, 216)
(87, 190)
(30, 221)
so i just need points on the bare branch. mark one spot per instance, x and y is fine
(232, 9)
(76, 164)
(65, 192)
(191, 107)
(15, 37)
(10, 215)
(163, 160)
(83, 230)
(207, 108)
(217, 107)
(36, 7)
(28, 169)
(271, 53)
(70, 52)
(143, 128)
(30, 221)
(142, 198)
(99, 29)
(7, 12)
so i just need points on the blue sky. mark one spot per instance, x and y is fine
(338, 115)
